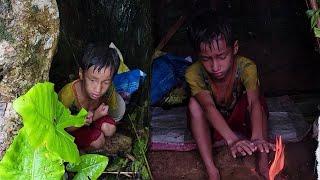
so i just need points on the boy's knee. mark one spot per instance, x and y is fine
(108, 129)
(99, 142)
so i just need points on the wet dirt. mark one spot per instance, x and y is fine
(299, 164)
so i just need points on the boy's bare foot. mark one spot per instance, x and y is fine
(214, 174)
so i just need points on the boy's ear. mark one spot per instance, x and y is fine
(81, 73)
(235, 47)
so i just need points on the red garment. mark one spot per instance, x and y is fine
(85, 135)
(239, 120)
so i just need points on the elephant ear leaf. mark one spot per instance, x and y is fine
(45, 117)
(91, 166)
(22, 161)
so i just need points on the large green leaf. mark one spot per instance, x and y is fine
(91, 166)
(45, 118)
(22, 161)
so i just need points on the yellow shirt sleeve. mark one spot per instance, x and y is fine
(249, 75)
(66, 95)
(195, 79)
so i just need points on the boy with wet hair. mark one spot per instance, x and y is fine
(94, 92)
(225, 95)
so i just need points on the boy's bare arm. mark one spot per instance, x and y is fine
(255, 111)
(214, 116)
(259, 126)
(243, 147)
(101, 111)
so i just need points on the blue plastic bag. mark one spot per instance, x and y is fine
(128, 82)
(167, 72)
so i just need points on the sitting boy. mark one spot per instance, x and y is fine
(94, 92)
(225, 95)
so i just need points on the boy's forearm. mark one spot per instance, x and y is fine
(220, 125)
(258, 130)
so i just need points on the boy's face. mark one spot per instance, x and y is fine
(96, 83)
(217, 57)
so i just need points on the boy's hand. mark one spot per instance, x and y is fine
(89, 118)
(101, 111)
(263, 146)
(244, 147)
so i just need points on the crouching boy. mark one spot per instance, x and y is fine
(225, 95)
(94, 92)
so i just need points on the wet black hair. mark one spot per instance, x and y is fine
(99, 55)
(209, 26)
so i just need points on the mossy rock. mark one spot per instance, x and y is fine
(118, 143)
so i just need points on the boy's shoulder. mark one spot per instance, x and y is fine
(66, 94)
(244, 61)
(194, 68)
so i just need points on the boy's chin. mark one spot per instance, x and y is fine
(220, 77)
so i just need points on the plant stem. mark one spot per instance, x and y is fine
(128, 174)
(144, 155)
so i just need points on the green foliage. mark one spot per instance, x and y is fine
(42, 146)
(140, 147)
(139, 151)
(22, 161)
(314, 17)
(90, 167)
(117, 164)
(45, 118)
(139, 163)
(310, 13)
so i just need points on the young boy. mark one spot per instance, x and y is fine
(94, 92)
(224, 89)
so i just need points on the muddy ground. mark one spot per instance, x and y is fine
(167, 165)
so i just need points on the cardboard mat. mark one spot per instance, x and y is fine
(169, 127)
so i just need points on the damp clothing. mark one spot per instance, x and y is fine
(87, 134)
(233, 106)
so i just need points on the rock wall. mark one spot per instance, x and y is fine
(29, 32)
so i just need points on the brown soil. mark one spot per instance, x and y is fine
(166, 165)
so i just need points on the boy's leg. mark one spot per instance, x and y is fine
(106, 124)
(88, 138)
(96, 144)
(201, 133)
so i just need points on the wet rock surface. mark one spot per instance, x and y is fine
(28, 38)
